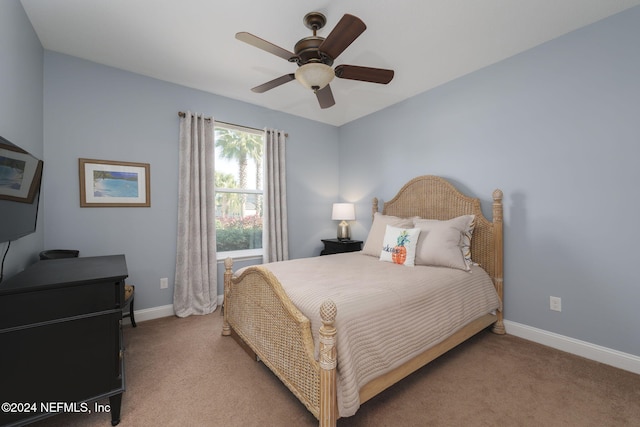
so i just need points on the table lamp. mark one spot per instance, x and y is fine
(343, 212)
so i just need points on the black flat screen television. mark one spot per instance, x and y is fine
(20, 179)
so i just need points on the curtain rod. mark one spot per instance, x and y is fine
(183, 114)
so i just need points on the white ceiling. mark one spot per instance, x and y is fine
(192, 42)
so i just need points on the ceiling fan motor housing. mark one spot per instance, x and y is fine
(306, 51)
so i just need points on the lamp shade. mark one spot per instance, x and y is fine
(314, 75)
(343, 212)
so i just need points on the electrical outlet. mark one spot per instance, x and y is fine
(555, 303)
(164, 283)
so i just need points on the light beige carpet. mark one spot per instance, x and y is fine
(182, 372)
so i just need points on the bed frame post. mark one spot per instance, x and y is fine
(374, 207)
(228, 273)
(328, 362)
(498, 326)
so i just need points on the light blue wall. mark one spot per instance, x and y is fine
(20, 111)
(557, 129)
(98, 112)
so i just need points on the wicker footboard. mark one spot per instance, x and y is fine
(261, 314)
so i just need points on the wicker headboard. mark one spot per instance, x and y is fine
(432, 197)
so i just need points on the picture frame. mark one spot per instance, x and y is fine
(20, 174)
(108, 183)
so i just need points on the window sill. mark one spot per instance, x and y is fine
(240, 255)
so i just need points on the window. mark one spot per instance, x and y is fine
(239, 190)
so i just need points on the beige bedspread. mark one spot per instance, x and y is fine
(387, 313)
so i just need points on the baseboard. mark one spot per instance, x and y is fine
(605, 355)
(158, 312)
(151, 313)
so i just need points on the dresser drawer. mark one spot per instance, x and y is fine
(66, 361)
(25, 308)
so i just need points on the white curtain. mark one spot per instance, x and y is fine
(195, 289)
(276, 239)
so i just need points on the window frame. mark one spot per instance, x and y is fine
(242, 253)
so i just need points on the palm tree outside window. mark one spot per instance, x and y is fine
(239, 190)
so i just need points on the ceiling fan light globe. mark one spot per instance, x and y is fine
(315, 75)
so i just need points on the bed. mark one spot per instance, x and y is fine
(339, 329)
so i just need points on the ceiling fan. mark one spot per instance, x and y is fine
(315, 55)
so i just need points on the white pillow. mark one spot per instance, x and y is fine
(376, 234)
(445, 243)
(399, 245)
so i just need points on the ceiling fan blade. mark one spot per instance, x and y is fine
(325, 97)
(365, 74)
(264, 45)
(274, 83)
(343, 34)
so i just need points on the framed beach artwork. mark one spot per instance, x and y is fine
(105, 183)
(20, 174)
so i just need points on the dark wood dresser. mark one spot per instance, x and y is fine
(61, 346)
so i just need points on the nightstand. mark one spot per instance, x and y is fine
(337, 246)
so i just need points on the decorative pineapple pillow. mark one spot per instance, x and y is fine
(378, 228)
(399, 245)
